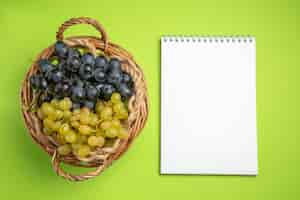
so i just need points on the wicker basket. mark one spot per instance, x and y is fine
(138, 103)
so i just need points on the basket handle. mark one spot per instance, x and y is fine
(81, 177)
(82, 20)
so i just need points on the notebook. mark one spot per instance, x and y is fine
(208, 106)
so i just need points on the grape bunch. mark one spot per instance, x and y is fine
(80, 131)
(81, 76)
(82, 99)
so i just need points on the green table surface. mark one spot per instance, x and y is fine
(26, 27)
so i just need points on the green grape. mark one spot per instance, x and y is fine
(85, 111)
(75, 146)
(101, 141)
(65, 104)
(118, 107)
(123, 114)
(99, 107)
(40, 113)
(56, 115)
(75, 124)
(64, 129)
(106, 113)
(105, 125)
(47, 131)
(52, 116)
(82, 139)
(84, 118)
(48, 123)
(55, 103)
(93, 119)
(115, 98)
(60, 139)
(75, 117)
(56, 126)
(67, 114)
(85, 130)
(99, 132)
(64, 149)
(59, 114)
(111, 132)
(93, 141)
(123, 133)
(83, 151)
(47, 109)
(108, 104)
(71, 137)
(115, 123)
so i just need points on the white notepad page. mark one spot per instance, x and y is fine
(208, 106)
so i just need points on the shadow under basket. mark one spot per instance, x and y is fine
(101, 158)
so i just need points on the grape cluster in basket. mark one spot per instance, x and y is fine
(82, 100)
(80, 131)
(82, 77)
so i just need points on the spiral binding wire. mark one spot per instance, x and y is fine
(209, 39)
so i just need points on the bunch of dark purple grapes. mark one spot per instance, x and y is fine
(82, 77)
